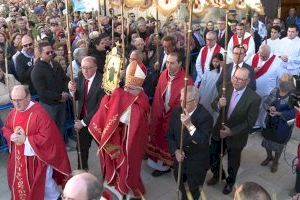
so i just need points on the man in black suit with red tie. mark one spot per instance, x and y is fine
(198, 124)
(89, 93)
(241, 107)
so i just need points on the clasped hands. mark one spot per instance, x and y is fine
(18, 136)
(273, 112)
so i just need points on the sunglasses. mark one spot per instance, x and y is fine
(27, 45)
(49, 53)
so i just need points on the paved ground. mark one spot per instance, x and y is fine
(164, 188)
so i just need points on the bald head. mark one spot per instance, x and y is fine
(82, 186)
(251, 191)
(27, 43)
(20, 97)
(264, 52)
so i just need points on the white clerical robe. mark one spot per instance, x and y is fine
(291, 48)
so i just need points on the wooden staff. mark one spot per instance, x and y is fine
(223, 94)
(72, 79)
(112, 27)
(104, 7)
(186, 78)
(157, 44)
(128, 29)
(6, 64)
(99, 20)
(123, 34)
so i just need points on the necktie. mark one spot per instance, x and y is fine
(83, 112)
(220, 35)
(233, 102)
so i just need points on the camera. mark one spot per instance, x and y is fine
(294, 97)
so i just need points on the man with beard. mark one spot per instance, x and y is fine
(24, 62)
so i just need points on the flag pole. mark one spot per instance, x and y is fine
(72, 79)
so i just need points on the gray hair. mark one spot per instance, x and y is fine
(80, 52)
(265, 47)
(191, 91)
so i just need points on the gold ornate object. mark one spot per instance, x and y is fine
(199, 7)
(241, 5)
(134, 3)
(112, 69)
(146, 5)
(167, 7)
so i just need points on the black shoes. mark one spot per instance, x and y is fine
(157, 173)
(227, 189)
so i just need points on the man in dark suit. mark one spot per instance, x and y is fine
(198, 124)
(241, 108)
(89, 93)
(239, 53)
(221, 32)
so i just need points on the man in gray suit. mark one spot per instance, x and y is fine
(239, 53)
(88, 92)
(241, 107)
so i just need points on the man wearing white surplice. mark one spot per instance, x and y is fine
(268, 69)
(206, 54)
(290, 51)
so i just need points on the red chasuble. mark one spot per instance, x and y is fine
(158, 147)
(26, 174)
(204, 54)
(122, 147)
(263, 68)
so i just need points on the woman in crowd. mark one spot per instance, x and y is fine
(208, 89)
(278, 131)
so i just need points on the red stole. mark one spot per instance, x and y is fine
(21, 184)
(245, 41)
(204, 54)
(264, 68)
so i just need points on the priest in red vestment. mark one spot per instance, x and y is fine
(120, 127)
(38, 161)
(166, 98)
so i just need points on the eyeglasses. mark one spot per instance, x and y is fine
(18, 100)
(87, 68)
(53, 24)
(27, 45)
(188, 101)
(238, 79)
(49, 53)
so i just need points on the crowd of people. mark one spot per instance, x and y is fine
(143, 118)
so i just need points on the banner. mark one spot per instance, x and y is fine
(85, 5)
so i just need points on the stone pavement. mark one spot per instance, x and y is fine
(164, 188)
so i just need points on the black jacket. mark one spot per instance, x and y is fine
(49, 82)
(196, 145)
(24, 66)
(94, 96)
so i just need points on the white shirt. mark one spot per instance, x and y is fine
(198, 65)
(269, 80)
(291, 48)
(234, 68)
(249, 53)
(51, 188)
(89, 87)
(274, 45)
(168, 93)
